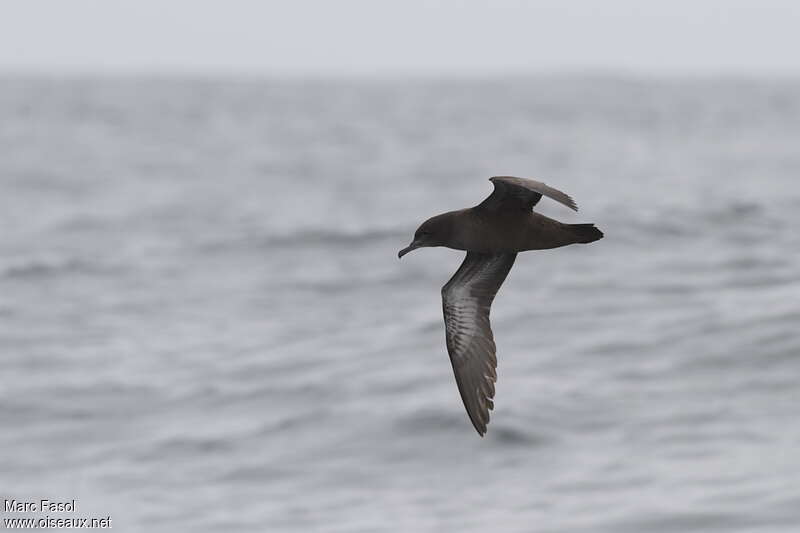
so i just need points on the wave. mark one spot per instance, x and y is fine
(324, 237)
(300, 239)
(39, 268)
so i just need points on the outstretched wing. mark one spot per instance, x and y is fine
(466, 300)
(521, 193)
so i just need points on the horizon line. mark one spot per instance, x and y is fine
(223, 73)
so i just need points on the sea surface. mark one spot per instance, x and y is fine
(204, 325)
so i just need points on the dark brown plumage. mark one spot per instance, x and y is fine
(492, 233)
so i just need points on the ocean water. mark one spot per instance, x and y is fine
(204, 325)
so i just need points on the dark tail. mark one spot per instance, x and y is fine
(585, 233)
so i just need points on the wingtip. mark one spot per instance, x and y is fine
(571, 203)
(480, 426)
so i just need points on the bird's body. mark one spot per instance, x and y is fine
(477, 230)
(492, 233)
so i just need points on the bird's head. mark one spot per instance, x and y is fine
(433, 232)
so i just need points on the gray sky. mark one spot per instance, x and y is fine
(402, 36)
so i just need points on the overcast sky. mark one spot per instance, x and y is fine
(402, 36)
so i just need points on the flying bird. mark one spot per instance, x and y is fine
(492, 233)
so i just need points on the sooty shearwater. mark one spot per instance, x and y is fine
(492, 233)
